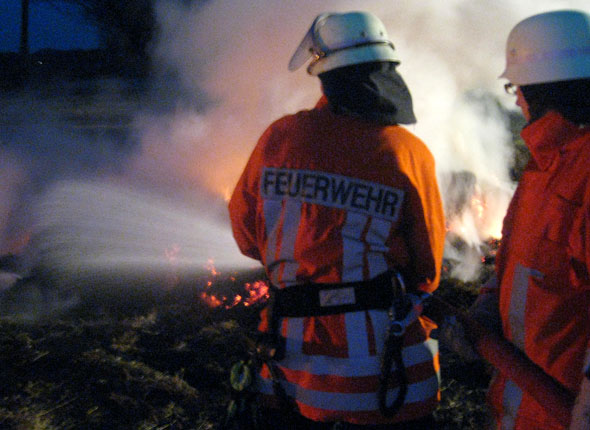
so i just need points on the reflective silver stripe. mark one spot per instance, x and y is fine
(349, 367)
(376, 238)
(353, 248)
(512, 398)
(289, 236)
(354, 402)
(380, 321)
(357, 338)
(293, 334)
(518, 297)
(272, 217)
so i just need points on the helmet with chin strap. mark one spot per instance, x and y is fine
(337, 40)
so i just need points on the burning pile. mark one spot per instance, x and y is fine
(249, 294)
(474, 212)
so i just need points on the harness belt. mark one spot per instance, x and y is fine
(386, 291)
(313, 299)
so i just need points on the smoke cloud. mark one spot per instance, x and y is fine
(221, 79)
(452, 54)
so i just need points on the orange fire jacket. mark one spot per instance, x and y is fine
(326, 199)
(543, 267)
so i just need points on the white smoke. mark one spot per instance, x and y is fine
(452, 53)
(223, 79)
(11, 175)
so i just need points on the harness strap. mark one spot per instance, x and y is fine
(312, 299)
(392, 353)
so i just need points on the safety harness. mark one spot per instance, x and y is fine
(386, 292)
(405, 309)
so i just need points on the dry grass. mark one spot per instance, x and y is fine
(160, 360)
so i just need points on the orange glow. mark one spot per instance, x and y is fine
(478, 206)
(478, 220)
(254, 292)
(210, 300)
(211, 267)
(257, 291)
(227, 194)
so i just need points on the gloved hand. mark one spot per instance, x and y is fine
(451, 334)
(485, 310)
(581, 412)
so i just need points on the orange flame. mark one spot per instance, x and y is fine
(478, 206)
(255, 292)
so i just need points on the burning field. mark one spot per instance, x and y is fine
(123, 298)
(160, 358)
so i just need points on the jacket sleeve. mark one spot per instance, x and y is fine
(243, 207)
(426, 226)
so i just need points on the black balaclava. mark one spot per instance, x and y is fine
(570, 98)
(372, 91)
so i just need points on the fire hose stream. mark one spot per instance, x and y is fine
(511, 362)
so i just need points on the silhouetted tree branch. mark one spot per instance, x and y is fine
(125, 27)
(24, 28)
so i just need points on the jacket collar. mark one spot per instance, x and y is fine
(322, 102)
(548, 136)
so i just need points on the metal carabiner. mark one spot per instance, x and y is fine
(398, 327)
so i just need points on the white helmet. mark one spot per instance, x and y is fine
(343, 39)
(549, 47)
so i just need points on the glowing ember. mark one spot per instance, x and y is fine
(210, 300)
(255, 292)
(211, 267)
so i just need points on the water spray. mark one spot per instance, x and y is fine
(93, 228)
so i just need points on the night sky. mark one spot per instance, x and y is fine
(58, 26)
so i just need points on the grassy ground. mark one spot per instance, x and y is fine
(145, 360)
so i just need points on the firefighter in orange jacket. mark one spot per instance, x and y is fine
(541, 291)
(331, 201)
